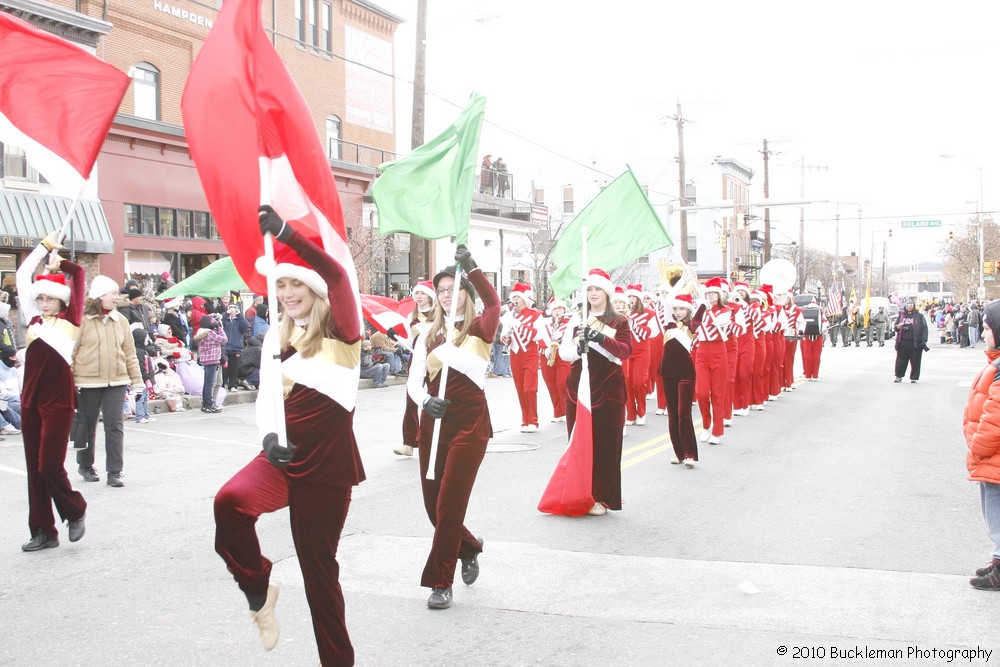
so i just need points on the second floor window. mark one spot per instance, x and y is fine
(333, 137)
(146, 91)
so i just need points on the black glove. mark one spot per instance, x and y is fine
(271, 222)
(464, 258)
(391, 333)
(436, 407)
(594, 335)
(581, 347)
(278, 456)
(926, 349)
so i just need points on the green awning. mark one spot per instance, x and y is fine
(26, 217)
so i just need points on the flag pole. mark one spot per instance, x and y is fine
(68, 220)
(449, 324)
(273, 362)
(585, 365)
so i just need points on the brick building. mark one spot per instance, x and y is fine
(144, 212)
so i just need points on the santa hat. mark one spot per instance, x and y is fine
(600, 279)
(740, 285)
(556, 303)
(769, 293)
(683, 301)
(634, 290)
(176, 302)
(101, 285)
(51, 284)
(288, 264)
(725, 285)
(524, 291)
(760, 296)
(425, 287)
(714, 285)
(619, 294)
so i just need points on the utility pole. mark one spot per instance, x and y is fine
(767, 211)
(836, 227)
(420, 260)
(802, 225)
(681, 177)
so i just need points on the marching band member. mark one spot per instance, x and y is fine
(641, 323)
(747, 346)
(776, 344)
(812, 341)
(465, 419)
(736, 324)
(554, 369)
(677, 371)
(524, 336)
(711, 326)
(761, 367)
(420, 322)
(607, 342)
(794, 325)
(660, 316)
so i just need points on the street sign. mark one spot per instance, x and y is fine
(981, 293)
(921, 223)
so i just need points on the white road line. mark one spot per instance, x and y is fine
(13, 471)
(251, 444)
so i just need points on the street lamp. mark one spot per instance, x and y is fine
(979, 222)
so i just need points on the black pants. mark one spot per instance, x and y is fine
(908, 353)
(109, 401)
(231, 373)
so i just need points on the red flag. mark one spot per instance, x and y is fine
(253, 140)
(388, 314)
(570, 491)
(57, 101)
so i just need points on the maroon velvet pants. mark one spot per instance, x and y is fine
(46, 437)
(679, 395)
(317, 513)
(411, 423)
(446, 499)
(524, 367)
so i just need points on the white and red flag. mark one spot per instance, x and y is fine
(387, 314)
(57, 102)
(254, 141)
(570, 489)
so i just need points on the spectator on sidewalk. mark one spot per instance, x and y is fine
(236, 328)
(372, 370)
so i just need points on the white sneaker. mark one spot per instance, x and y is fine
(640, 421)
(266, 622)
(704, 436)
(597, 510)
(714, 440)
(660, 412)
(529, 428)
(688, 463)
(9, 430)
(727, 422)
(758, 407)
(404, 450)
(675, 461)
(774, 398)
(628, 422)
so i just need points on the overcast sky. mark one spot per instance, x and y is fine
(870, 94)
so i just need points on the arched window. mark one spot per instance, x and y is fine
(146, 91)
(333, 137)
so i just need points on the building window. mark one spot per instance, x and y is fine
(201, 230)
(166, 222)
(312, 35)
(538, 196)
(15, 164)
(145, 91)
(169, 222)
(326, 36)
(333, 137)
(147, 226)
(300, 27)
(692, 249)
(184, 224)
(131, 219)
(567, 200)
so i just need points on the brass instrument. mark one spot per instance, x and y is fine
(552, 355)
(681, 278)
(779, 274)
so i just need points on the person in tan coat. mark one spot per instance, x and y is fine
(104, 367)
(981, 425)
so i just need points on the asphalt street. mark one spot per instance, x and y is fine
(840, 517)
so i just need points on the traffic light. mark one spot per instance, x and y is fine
(997, 270)
(988, 267)
(890, 233)
(951, 235)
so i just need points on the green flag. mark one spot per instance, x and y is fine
(621, 227)
(429, 192)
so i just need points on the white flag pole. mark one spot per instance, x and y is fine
(449, 325)
(584, 310)
(273, 362)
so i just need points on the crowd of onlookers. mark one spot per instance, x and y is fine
(958, 324)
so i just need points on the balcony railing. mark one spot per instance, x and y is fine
(367, 156)
(496, 183)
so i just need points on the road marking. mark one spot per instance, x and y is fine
(194, 437)
(13, 471)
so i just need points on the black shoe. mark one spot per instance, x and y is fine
(897, 379)
(89, 474)
(212, 410)
(983, 571)
(987, 582)
(116, 479)
(77, 529)
(912, 381)
(440, 598)
(470, 568)
(42, 541)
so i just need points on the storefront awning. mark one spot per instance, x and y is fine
(145, 263)
(26, 217)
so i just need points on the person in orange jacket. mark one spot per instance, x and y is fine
(981, 425)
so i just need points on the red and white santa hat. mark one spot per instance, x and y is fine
(714, 285)
(524, 291)
(683, 301)
(634, 290)
(556, 303)
(424, 287)
(288, 264)
(725, 285)
(760, 296)
(742, 286)
(619, 295)
(769, 293)
(600, 279)
(51, 284)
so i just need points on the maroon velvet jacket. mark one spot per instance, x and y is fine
(676, 363)
(607, 380)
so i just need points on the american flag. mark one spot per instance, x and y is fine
(835, 304)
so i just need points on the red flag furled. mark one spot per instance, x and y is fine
(253, 140)
(57, 102)
(387, 314)
(570, 491)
